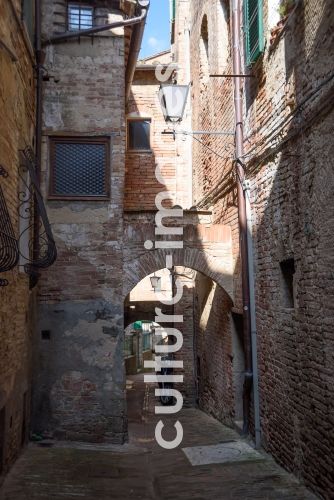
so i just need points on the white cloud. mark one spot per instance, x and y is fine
(154, 43)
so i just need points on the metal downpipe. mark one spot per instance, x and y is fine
(242, 214)
(143, 4)
(135, 45)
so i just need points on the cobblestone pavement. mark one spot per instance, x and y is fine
(143, 470)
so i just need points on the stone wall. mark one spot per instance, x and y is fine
(214, 350)
(288, 138)
(79, 372)
(292, 181)
(17, 110)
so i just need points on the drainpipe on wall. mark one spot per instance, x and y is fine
(257, 422)
(38, 127)
(136, 39)
(39, 76)
(249, 327)
(144, 6)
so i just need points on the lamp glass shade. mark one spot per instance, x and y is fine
(173, 100)
(155, 282)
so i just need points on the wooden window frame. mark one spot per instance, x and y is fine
(138, 119)
(75, 140)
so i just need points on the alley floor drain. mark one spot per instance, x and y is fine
(221, 453)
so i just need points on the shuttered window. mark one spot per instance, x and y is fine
(173, 10)
(253, 26)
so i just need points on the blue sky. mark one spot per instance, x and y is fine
(157, 31)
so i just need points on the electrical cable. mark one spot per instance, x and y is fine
(287, 120)
(212, 150)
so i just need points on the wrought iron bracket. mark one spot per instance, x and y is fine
(36, 234)
(9, 251)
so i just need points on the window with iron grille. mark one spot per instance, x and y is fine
(139, 131)
(80, 16)
(79, 168)
(253, 27)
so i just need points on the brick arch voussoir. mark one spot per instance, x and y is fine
(192, 258)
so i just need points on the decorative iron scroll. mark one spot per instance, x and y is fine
(9, 252)
(37, 245)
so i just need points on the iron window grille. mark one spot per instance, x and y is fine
(139, 135)
(79, 17)
(253, 27)
(80, 168)
(9, 252)
(41, 248)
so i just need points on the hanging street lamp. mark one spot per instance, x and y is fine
(173, 100)
(155, 282)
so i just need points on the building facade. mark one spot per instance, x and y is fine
(105, 158)
(288, 120)
(17, 132)
(79, 338)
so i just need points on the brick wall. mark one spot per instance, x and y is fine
(17, 109)
(288, 129)
(214, 350)
(141, 185)
(292, 210)
(79, 375)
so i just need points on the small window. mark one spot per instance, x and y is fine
(28, 17)
(287, 286)
(204, 49)
(253, 27)
(139, 135)
(80, 17)
(79, 168)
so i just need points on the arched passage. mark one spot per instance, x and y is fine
(219, 269)
(208, 327)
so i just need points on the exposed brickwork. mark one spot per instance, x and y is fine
(17, 109)
(79, 376)
(141, 184)
(214, 354)
(292, 209)
(207, 249)
(288, 129)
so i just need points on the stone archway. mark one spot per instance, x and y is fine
(218, 269)
(207, 249)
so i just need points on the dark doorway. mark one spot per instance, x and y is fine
(24, 420)
(2, 437)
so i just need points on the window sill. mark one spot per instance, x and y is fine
(139, 151)
(78, 198)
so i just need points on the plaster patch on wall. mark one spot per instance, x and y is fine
(95, 348)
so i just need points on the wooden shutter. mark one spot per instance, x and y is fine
(253, 25)
(173, 10)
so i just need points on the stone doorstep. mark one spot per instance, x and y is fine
(222, 453)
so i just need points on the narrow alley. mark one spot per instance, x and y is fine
(166, 241)
(143, 470)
